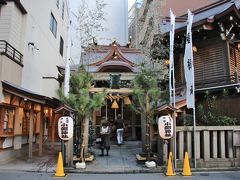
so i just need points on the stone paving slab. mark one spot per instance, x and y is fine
(121, 159)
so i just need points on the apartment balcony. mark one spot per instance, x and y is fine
(11, 63)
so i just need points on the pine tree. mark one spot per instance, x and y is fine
(146, 94)
(84, 102)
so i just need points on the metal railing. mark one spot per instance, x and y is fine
(11, 52)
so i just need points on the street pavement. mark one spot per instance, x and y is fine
(121, 160)
(152, 176)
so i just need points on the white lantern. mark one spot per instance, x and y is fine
(65, 127)
(165, 127)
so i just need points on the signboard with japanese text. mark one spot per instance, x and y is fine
(65, 127)
(165, 127)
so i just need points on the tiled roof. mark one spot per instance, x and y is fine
(200, 16)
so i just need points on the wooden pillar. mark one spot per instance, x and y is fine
(143, 128)
(94, 120)
(69, 152)
(53, 130)
(133, 123)
(165, 151)
(30, 140)
(41, 131)
(121, 107)
(106, 110)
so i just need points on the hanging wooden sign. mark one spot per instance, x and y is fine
(65, 127)
(165, 127)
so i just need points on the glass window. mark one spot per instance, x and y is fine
(61, 46)
(63, 6)
(53, 25)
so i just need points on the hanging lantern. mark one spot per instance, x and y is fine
(114, 105)
(127, 101)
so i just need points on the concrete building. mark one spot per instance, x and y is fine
(33, 38)
(133, 30)
(116, 15)
(38, 38)
(145, 24)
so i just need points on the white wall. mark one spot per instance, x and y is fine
(116, 22)
(5, 22)
(42, 63)
(11, 25)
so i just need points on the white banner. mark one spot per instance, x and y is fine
(188, 64)
(171, 58)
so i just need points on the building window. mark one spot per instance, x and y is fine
(57, 3)
(53, 25)
(61, 46)
(63, 6)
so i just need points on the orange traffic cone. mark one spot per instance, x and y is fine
(186, 166)
(60, 169)
(170, 168)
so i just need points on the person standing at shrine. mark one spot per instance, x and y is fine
(120, 129)
(105, 135)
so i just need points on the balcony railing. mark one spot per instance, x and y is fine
(211, 83)
(9, 51)
(217, 81)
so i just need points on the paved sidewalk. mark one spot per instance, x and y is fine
(121, 159)
(45, 163)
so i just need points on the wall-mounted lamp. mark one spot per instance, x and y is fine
(223, 36)
(194, 48)
(232, 37)
(238, 46)
(167, 62)
(237, 88)
(221, 27)
(31, 44)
